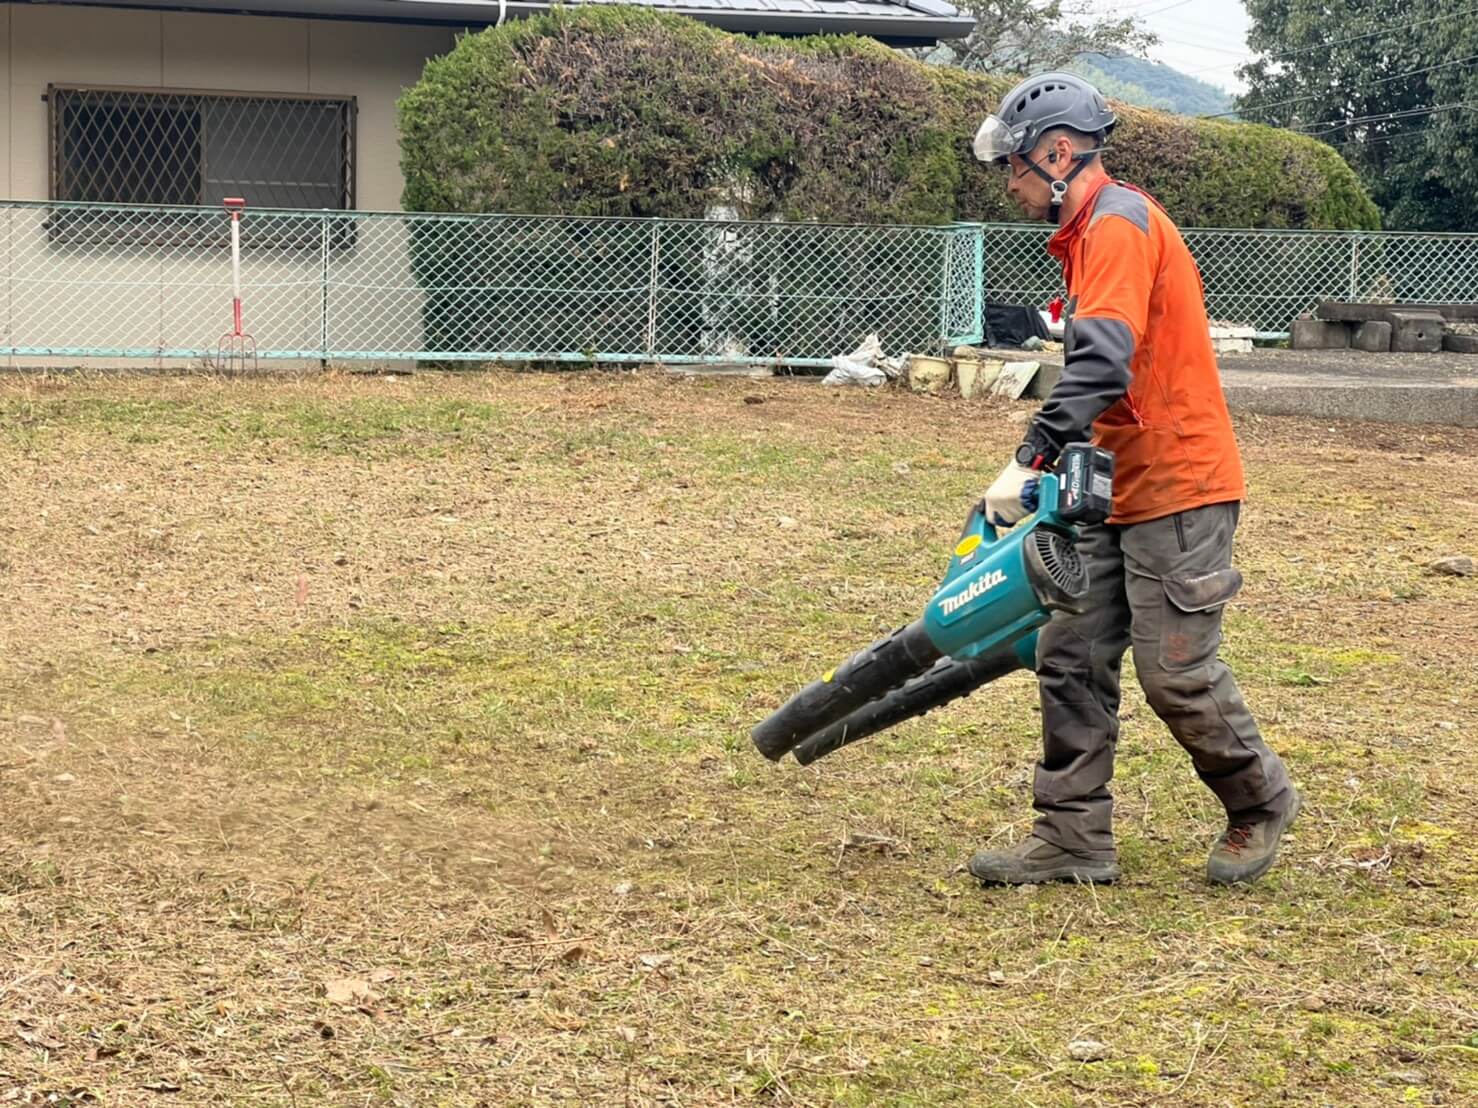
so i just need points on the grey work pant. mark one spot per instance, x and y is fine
(1160, 586)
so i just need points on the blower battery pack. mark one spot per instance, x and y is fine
(1087, 477)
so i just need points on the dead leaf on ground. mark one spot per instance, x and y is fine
(58, 730)
(162, 1087)
(881, 844)
(350, 991)
(381, 975)
(33, 1036)
(573, 954)
(1087, 1050)
(652, 961)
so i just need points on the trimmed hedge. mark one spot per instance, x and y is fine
(625, 111)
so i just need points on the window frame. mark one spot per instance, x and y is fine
(79, 230)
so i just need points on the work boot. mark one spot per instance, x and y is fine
(1034, 861)
(1246, 849)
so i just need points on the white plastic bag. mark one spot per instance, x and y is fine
(845, 371)
(857, 368)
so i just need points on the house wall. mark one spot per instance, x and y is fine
(42, 44)
(374, 62)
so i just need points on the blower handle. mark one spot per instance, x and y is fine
(1078, 489)
(977, 523)
(1030, 494)
(980, 532)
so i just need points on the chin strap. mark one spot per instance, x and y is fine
(1059, 184)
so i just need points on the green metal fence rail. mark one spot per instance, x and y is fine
(108, 281)
(1261, 278)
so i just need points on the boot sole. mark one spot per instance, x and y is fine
(1246, 875)
(1104, 874)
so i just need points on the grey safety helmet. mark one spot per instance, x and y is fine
(1036, 106)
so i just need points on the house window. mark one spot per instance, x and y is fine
(149, 146)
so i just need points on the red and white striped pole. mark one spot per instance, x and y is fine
(235, 205)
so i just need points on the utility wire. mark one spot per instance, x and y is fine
(1358, 144)
(1162, 11)
(1385, 117)
(1352, 38)
(1316, 95)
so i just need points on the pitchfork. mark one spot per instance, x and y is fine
(235, 347)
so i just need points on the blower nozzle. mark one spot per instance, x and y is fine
(980, 625)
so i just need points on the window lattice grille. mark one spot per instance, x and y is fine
(151, 146)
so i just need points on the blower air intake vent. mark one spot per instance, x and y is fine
(1060, 571)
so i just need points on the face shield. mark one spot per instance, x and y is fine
(995, 140)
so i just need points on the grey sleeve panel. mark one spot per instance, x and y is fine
(1114, 200)
(1095, 376)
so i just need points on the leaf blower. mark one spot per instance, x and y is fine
(980, 625)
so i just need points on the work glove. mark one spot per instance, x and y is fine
(1003, 500)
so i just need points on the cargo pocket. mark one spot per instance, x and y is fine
(1190, 633)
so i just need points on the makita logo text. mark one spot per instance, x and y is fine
(979, 587)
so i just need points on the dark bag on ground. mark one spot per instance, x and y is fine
(1008, 325)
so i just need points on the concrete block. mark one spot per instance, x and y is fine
(1228, 331)
(1377, 308)
(1344, 312)
(976, 375)
(1318, 334)
(1373, 336)
(1014, 379)
(926, 374)
(1045, 381)
(1460, 344)
(1416, 332)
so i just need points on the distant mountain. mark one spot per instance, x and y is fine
(1151, 85)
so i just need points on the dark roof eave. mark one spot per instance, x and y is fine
(912, 29)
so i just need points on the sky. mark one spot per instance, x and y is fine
(1205, 38)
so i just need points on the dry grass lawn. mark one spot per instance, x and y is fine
(384, 741)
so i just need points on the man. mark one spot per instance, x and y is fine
(1140, 380)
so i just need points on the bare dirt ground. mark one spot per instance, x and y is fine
(372, 740)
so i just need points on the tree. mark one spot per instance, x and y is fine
(1397, 98)
(1027, 36)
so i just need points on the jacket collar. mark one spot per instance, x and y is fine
(1061, 243)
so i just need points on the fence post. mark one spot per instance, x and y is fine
(323, 291)
(1355, 266)
(978, 324)
(651, 350)
(949, 241)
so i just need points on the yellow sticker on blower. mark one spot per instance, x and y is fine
(967, 546)
(829, 675)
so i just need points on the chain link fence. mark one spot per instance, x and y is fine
(85, 280)
(110, 281)
(1265, 279)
